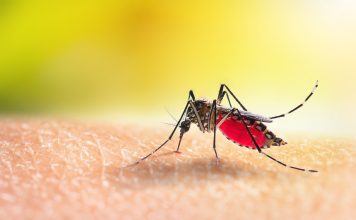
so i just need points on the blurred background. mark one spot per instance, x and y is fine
(128, 60)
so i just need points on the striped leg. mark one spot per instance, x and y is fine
(191, 95)
(222, 93)
(200, 123)
(300, 105)
(227, 96)
(185, 125)
(214, 143)
(270, 157)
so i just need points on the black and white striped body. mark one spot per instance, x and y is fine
(240, 126)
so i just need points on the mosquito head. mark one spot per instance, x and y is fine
(184, 126)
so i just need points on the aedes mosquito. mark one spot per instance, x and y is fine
(240, 126)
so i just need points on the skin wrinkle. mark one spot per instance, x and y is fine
(168, 185)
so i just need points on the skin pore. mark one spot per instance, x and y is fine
(71, 169)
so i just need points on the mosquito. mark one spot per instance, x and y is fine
(240, 126)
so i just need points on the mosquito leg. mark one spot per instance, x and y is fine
(209, 116)
(248, 130)
(191, 95)
(165, 142)
(197, 115)
(214, 142)
(300, 105)
(270, 157)
(185, 125)
(228, 98)
(221, 94)
(225, 117)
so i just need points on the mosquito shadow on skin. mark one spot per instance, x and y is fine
(195, 170)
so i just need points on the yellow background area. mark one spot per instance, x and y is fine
(130, 59)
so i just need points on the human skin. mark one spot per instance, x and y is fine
(70, 169)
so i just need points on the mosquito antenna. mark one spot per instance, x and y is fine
(171, 115)
(166, 123)
(165, 142)
(283, 164)
(300, 105)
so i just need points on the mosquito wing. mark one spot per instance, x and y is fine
(255, 116)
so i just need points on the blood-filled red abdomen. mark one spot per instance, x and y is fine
(236, 131)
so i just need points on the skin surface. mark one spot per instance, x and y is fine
(67, 169)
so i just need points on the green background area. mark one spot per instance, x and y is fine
(135, 57)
